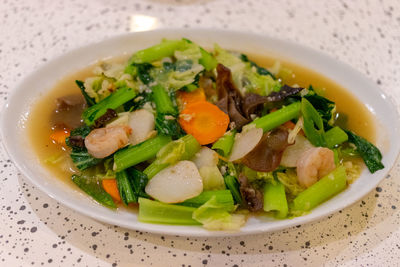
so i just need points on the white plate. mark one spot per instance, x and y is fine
(16, 111)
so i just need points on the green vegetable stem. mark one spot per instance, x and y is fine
(136, 154)
(275, 199)
(325, 188)
(112, 101)
(224, 197)
(157, 52)
(125, 188)
(151, 211)
(274, 119)
(225, 143)
(182, 149)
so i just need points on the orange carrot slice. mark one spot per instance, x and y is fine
(110, 186)
(205, 121)
(59, 136)
(186, 98)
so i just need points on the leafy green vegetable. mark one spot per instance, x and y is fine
(215, 216)
(246, 79)
(212, 178)
(288, 178)
(207, 60)
(168, 125)
(79, 154)
(83, 160)
(182, 149)
(324, 106)
(143, 72)
(139, 181)
(112, 101)
(89, 100)
(260, 70)
(125, 188)
(93, 188)
(138, 102)
(233, 185)
(369, 153)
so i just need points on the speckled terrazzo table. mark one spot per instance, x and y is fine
(36, 230)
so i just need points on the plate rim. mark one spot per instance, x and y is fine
(171, 229)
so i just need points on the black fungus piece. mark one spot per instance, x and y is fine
(102, 121)
(229, 98)
(76, 141)
(252, 197)
(283, 93)
(267, 155)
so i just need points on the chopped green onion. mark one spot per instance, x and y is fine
(313, 125)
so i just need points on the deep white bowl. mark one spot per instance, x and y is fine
(38, 83)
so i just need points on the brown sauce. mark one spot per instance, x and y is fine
(360, 120)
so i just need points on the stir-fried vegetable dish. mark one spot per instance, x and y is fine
(206, 138)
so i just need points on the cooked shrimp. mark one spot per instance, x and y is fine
(102, 142)
(313, 164)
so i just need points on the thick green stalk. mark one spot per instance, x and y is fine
(151, 211)
(207, 60)
(163, 102)
(274, 119)
(335, 136)
(112, 101)
(275, 199)
(325, 188)
(157, 52)
(224, 197)
(154, 168)
(133, 155)
(225, 143)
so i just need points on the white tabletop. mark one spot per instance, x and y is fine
(36, 230)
